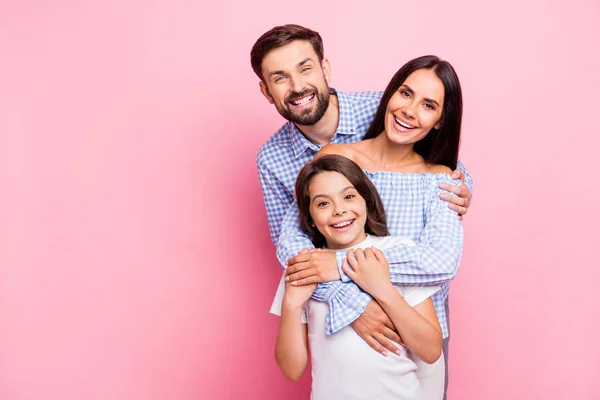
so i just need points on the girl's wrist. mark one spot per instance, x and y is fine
(385, 292)
(291, 305)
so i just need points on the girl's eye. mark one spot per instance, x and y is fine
(350, 196)
(322, 204)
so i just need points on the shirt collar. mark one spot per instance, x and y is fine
(346, 125)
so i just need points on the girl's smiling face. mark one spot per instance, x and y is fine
(337, 210)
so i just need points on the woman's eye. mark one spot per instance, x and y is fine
(404, 93)
(429, 106)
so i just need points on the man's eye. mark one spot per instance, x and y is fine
(305, 69)
(278, 79)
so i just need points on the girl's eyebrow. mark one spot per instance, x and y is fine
(327, 196)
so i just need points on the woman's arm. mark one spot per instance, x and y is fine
(291, 346)
(419, 326)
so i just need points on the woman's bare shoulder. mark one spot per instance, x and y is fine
(438, 169)
(346, 150)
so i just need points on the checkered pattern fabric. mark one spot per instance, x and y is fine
(413, 209)
(279, 161)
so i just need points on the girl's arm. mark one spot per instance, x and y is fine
(418, 326)
(291, 346)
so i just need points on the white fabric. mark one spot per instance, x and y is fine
(345, 367)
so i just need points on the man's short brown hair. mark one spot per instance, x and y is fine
(280, 36)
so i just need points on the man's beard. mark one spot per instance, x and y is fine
(307, 117)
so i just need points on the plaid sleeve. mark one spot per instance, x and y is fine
(468, 179)
(436, 256)
(277, 199)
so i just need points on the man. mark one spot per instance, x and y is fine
(295, 76)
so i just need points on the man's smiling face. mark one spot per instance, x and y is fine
(296, 82)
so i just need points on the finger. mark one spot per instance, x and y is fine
(304, 251)
(391, 334)
(347, 268)
(450, 198)
(298, 259)
(387, 344)
(306, 281)
(300, 275)
(375, 345)
(313, 250)
(360, 255)
(458, 174)
(451, 188)
(369, 253)
(379, 255)
(460, 210)
(352, 261)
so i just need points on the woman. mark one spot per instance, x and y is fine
(410, 148)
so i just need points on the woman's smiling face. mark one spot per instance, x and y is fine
(338, 211)
(415, 108)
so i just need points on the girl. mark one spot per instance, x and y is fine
(340, 209)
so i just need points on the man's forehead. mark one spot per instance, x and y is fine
(289, 56)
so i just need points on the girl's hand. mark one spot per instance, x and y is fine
(296, 296)
(369, 269)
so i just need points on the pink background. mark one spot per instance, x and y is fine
(134, 251)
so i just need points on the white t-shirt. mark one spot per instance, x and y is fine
(345, 367)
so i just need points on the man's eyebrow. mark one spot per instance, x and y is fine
(408, 89)
(301, 63)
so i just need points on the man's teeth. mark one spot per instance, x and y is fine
(343, 224)
(302, 101)
(405, 125)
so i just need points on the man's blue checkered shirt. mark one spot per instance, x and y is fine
(433, 261)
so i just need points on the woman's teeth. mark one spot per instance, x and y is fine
(403, 124)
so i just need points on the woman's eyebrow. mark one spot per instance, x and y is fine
(408, 89)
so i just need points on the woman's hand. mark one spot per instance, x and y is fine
(296, 296)
(369, 269)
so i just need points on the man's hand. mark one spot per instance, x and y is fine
(375, 327)
(459, 203)
(312, 266)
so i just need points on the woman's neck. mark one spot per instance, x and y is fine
(393, 156)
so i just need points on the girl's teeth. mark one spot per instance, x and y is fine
(343, 224)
